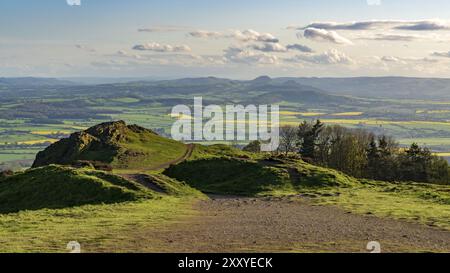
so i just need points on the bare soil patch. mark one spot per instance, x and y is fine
(233, 224)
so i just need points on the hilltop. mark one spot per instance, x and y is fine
(59, 187)
(116, 143)
(258, 176)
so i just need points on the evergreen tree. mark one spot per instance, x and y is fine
(308, 135)
(373, 159)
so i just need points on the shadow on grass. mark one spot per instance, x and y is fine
(228, 176)
(55, 187)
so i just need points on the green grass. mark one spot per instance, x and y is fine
(123, 146)
(224, 175)
(98, 228)
(61, 187)
(174, 187)
(152, 150)
(219, 151)
(229, 176)
(426, 204)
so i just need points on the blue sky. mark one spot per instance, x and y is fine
(238, 39)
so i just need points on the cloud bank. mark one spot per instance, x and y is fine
(323, 35)
(156, 47)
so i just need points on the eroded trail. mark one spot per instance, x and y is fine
(144, 180)
(229, 224)
(185, 156)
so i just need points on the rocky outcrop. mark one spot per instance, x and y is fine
(102, 143)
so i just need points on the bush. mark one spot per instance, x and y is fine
(254, 147)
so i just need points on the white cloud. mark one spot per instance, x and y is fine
(241, 55)
(205, 34)
(425, 25)
(362, 25)
(156, 47)
(85, 48)
(324, 35)
(393, 37)
(417, 25)
(332, 56)
(123, 53)
(441, 54)
(123, 59)
(405, 60)
(269, 47)
(392, 59)
(162, 29)
(248, 35)
(299, 47)
(374, 2)
(252, 35)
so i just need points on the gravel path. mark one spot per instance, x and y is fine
(231, 224)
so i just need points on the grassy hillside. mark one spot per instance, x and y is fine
(256, 176)
(123, 146)
(260, 177)
(220, 151)
(60, 187)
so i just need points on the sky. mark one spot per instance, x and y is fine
(239, 39)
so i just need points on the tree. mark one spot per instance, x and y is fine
(361, 154)
(414, 163)
(438, 171)
(253, 147)
(373, 159)
(308, 134)
(288, 139)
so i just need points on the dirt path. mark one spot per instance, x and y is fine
(186, 155)
(145, 179)
(230, 224)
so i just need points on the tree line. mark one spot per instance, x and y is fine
(362, 154)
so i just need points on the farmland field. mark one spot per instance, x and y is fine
(27, 126)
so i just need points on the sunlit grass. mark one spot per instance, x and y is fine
(111, 228)
(426, 204)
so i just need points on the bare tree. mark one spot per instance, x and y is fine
(288, 139)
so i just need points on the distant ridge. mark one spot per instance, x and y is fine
(32, 81)
(380, 87)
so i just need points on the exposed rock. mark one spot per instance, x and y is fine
(100, 143)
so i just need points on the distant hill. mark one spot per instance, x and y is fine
(295, 92)
(364, 87)
(261, 90)
(214, 90)
(33, 82)
(382, 87)
(115, 143)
